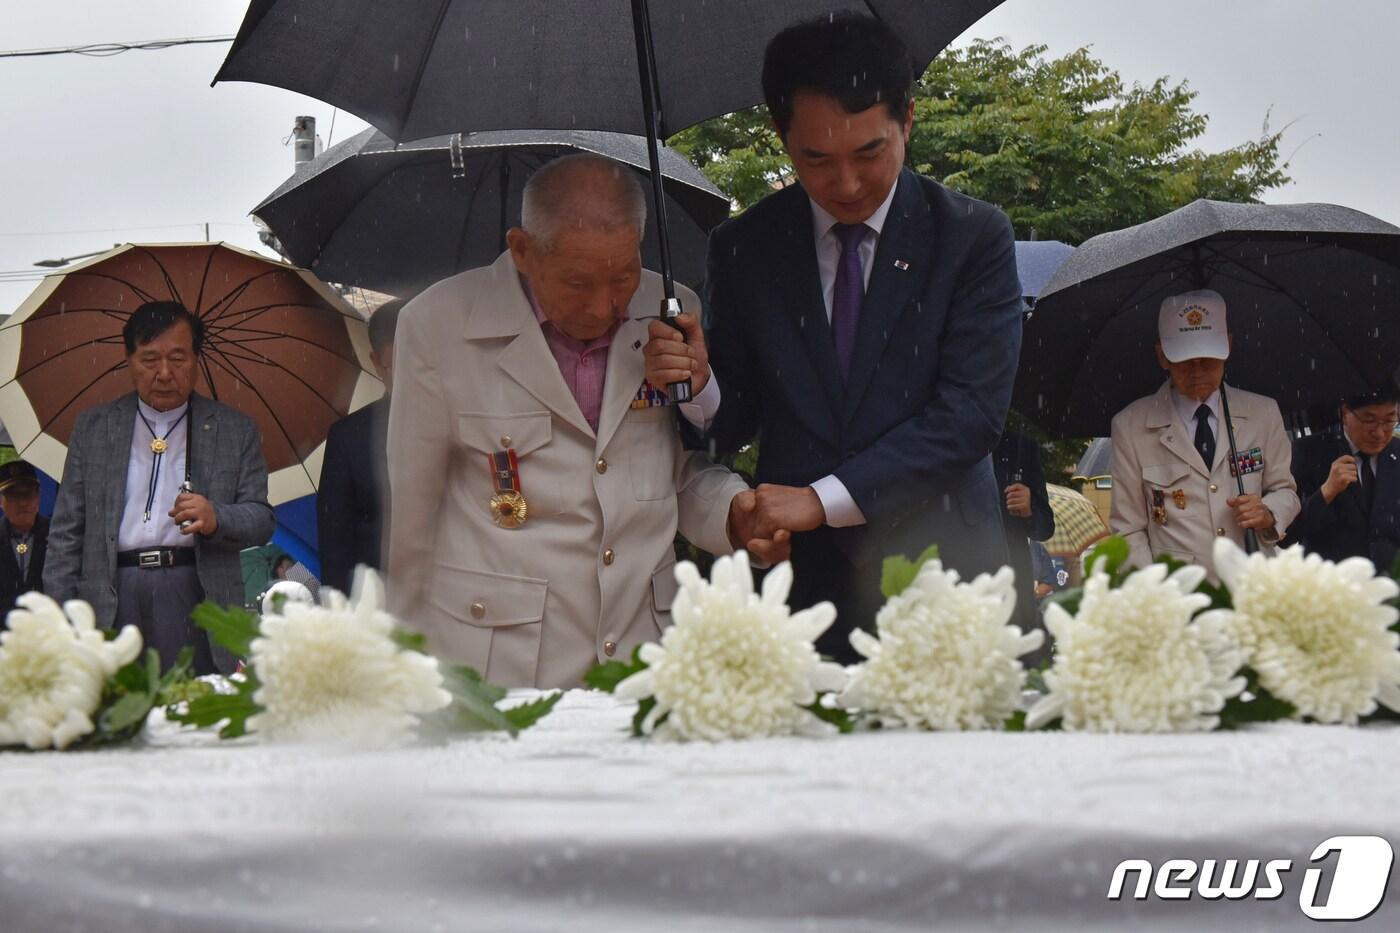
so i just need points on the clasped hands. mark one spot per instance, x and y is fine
(762, 520)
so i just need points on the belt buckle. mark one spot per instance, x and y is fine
(147, 559)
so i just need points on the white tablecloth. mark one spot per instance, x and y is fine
(574, 826)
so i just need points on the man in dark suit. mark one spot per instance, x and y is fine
(351, 498)
(127, 535)
(1026, 515)
(1350, 485)
(25, 533)
(865, 323)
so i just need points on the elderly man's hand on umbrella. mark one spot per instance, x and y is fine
(1251, 512)
(677, 355)
(199, 511)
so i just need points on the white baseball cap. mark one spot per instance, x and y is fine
(1192, 325)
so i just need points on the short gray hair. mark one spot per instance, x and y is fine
(584, 190)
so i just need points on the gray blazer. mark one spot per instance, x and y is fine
(228, 470)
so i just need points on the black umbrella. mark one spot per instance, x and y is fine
(398, 217)
(423, 69)
(1313, 299)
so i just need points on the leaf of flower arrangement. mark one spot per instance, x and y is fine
(179, 672)
(1016, 722)
(840, 718)
(411, 641)
(644, 707)
(526, 715)
(1261, 707)
(606, 677)
(474, 701)
(232, 628)
(216, 707)
(129, 711)
(1113, 552)
(131, 678)
(897, 572)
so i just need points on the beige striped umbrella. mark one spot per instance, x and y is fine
(1077, 522)
(280, 346)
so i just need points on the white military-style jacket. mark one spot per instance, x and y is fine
(1165, 501)
(589, 574)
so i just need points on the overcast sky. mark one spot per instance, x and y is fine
(138, 147)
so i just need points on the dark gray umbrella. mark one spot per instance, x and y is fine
(398, 217)
(1036, 263)
(1312, 293)
(422, 69)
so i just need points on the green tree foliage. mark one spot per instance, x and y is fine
(1061, 144)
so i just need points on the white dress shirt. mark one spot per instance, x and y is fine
(135, 532)
(841, 510)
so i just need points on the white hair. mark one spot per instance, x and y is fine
(582, 190)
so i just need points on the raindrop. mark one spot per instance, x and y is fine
(396, 61)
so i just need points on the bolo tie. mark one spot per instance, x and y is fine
(159, 445)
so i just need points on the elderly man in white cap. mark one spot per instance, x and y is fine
(1174, 490)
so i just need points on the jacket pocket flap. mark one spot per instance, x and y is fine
(1165, 474)
(664, 588)
(491, 600)
(524, 432)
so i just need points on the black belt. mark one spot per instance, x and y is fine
(156, 557)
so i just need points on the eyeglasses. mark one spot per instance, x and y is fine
(1372, 424)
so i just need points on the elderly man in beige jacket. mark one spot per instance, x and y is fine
(536, 468)
(1173, 488)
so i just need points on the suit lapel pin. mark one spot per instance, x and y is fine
(901, 265)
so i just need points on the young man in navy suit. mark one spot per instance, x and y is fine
(1350, 485)
(865, 324)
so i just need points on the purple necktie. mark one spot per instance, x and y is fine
(848, 293)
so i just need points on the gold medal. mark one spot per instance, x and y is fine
(158, 445)
(1179, 497)
(509, 509)
(21, 548)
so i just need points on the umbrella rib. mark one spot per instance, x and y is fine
(238, 374)
(43, 428)
(140, 292)
(467, 216)
(165, 274)
(423, 60)
(53, 356)
(204, 280)
(265, 335)
(218, 308)
(228, 361)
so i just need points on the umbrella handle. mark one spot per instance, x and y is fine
(1251, 539)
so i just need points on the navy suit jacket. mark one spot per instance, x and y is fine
(1344, 529)
(350, 499)
(910, 432)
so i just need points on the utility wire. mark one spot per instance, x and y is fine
(105, 49)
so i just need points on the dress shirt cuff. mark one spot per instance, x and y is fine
(841, 509)
(700, 410)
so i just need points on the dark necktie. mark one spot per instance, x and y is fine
(1368, 482)
(1205, 437)
(848, 293)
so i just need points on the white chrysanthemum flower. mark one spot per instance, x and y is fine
(1133, 659)
(333, 673)
(946, 657)
(1317, 632)
(735, 665)
(54, 663)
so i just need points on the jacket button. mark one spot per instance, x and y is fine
(1213, 487)
(608, 556)
(478, 610)
(505, 440)
(1220, 532)
(609, 648)
(601, 466)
